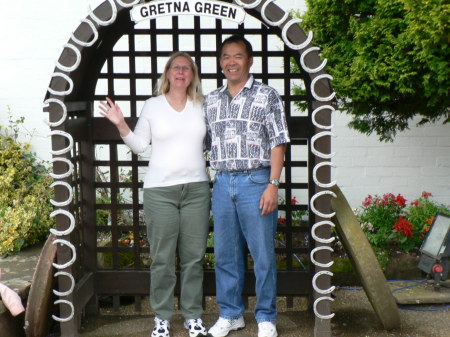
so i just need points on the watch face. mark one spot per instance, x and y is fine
(275, 182)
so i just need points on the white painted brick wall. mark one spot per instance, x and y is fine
(418, 160)
(32, 34)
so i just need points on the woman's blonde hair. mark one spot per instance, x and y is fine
(194, 90)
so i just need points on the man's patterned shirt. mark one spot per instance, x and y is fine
(244, 129)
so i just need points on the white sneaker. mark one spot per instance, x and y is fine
(223, 326)
(267, 329)
(161, 328)
(195, 327)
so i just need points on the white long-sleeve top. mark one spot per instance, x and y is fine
(176, 139)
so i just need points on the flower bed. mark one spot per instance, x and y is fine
(390, 223)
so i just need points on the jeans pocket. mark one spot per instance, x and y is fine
(259, 176)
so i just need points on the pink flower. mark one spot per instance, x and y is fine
(389, 196)
(368, 201)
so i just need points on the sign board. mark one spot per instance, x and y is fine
(217, 9)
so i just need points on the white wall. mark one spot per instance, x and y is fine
(418, 160)
(32, 34)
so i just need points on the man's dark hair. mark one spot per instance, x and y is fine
(236, 39)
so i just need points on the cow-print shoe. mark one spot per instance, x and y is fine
(161, 328)
(195, 327)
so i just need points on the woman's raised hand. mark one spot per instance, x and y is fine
(112, 111)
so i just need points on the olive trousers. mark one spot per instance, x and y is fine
(177, 218)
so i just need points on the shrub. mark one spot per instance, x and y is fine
(389, 222)
(25, 199)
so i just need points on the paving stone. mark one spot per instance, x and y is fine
(420, 293)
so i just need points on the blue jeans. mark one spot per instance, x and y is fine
(237, 221)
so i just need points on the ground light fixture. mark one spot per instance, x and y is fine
(435, 249)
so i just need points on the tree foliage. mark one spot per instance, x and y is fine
(389, 59)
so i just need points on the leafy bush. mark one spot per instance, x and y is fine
(388, 59)
(389, 222)
(25, 199)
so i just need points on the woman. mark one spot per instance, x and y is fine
(176, 189)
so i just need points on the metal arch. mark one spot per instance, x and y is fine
(106, 22)
(266, 19)
(314, 283)
(317, 301)
(313, 260)
(286, 41)
(254, 4)
(127, 5)
(71, 225)
(74, 254)
(63, 175)
(314, 113)
(317, 225)
(318, 153)
(64, 109)
(316, 180)
(313, 90)
(289, 43)
(72, 311)
(62, 93)
(94, 31)
(72, 284)
(63, 134)
(69, 189)
(313, 208)
(77, 62)
(311, 70)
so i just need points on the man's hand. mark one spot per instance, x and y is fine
(269, 200)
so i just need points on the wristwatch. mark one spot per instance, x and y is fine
(274, 182)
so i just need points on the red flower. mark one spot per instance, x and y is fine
(415, 203)
(400, 200)
(426, 194)
(368, 201)
(403, 227)
(294, 201)
(126, 242)
(281, 220)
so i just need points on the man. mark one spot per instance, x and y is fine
(248, 131)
